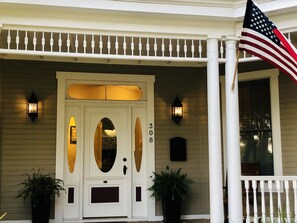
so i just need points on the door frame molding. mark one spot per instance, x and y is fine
(62, 79)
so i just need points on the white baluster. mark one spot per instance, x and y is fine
(177, 48)
(108, 45)
(185, 48)
(222, 50)
(163, 48)
(279, 205)
(263, 201)
(76, 43)
(85, 43)
(170, 48)
(147, 47)
(289, 37)
(125, 45)
(200, 49)
(60, 42)
(193, 49)
(17, 40)
(100, 44)
(43, 41)
(132, 46)
(295, 199)
(254, 185)
(8, 39)
(51, 42)
(26, 40)
(155, 47)
(140, 46)
(34, 41)
(287, 202)
(270, 201)
(247, 203)
(93, 44)
(117, 45)
(68, 43)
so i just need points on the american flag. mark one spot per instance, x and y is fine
(260, 37)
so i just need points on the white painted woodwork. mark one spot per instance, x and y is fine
(214, 133)
(276, 201)
(91, 45)
(86, 174)
(115, 178)
(232, 135)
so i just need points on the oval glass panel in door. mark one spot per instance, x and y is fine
(138, 144)
(71, 142)
(105, 145)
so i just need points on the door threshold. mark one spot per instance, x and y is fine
(106, 220)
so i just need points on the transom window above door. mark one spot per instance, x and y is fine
(105, 92)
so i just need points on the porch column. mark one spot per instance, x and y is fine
(214, 133)
(232, 130)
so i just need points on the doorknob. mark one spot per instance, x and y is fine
(125, 169)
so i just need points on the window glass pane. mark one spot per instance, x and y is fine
(71, 150)
(255, 125)
(105, 92)
(105, 145)
(138, 144)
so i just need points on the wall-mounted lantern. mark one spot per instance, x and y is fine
(177, 110)
(33, 107)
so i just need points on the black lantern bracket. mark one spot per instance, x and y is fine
(33, 107)
(177, 110)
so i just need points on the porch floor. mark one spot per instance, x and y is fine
(183, 221)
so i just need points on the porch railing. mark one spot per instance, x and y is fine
(269, 199)
(105, 45)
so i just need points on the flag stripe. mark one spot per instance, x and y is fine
(260, 37)
(285, 43)
(252, 38)
(270, 59)
(267, 50)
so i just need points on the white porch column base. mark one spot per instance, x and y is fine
(214, 133)
(232, 129)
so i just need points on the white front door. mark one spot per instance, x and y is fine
(107, 162)
(105, 173)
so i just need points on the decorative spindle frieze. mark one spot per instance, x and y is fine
(150, 47)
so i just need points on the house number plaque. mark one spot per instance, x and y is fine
(151, 133)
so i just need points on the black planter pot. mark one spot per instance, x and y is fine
(171, 210)
(40, 210)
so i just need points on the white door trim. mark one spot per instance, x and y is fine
(62, 79)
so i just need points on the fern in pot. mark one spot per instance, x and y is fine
(41, 188)
(171, 186)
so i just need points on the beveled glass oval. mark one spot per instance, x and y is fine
(138, 144)
(71, 150)
(105, 145)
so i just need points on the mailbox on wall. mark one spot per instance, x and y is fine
(178, 149)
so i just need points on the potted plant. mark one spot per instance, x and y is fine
(171, 186)
(41, 189)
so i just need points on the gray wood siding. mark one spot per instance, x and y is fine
(26, 145)
(191, 89)
(288, 116)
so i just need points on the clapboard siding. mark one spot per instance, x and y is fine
(191, 89)
(26, 145)
(288, 115)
